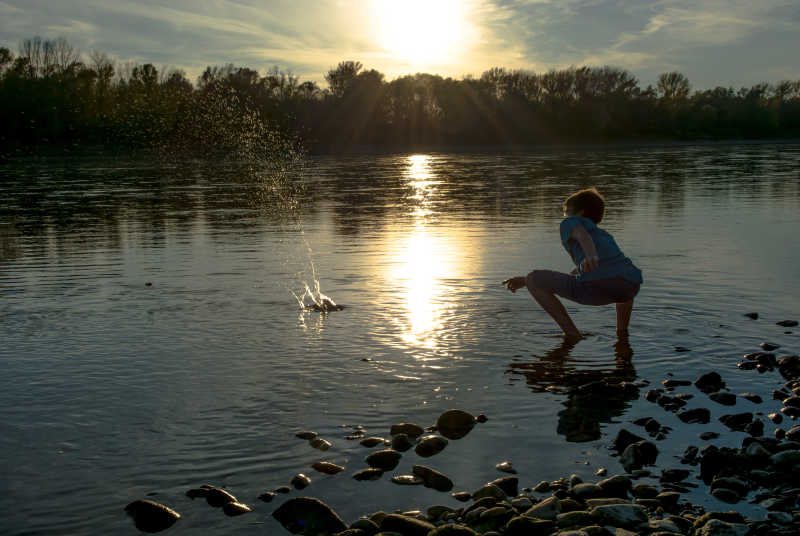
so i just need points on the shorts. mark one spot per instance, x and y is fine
(597, 292)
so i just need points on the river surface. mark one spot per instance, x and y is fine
(112, 389)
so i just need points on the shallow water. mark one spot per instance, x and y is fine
(113, 390)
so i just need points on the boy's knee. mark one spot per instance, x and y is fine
(534, 279)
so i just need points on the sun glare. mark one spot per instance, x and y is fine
(421, 32)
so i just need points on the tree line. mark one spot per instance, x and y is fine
(53, 94)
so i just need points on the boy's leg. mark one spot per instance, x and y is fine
(551, 305)
(623, 317)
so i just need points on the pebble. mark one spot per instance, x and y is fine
(697, 415)
(706, 436)
(373, 441)
(506, 467)
(430, 445)
(310, 516)
(401, 442)
(327, 468)
(410, 429)
(267, 496)
(709, 382)
(752, 397)
(385, 460)
(368, 474)
(150, 516)
(300, 481)
(455, 423)
(787, 323)
(769, 346)
(321, 444)
(283, 489)
(233, 509)
(407, 480)
(433, 478)
(307, 435)
(461, 496)
(753, 316)
(726, 399)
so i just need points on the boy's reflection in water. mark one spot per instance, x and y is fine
(593, 396)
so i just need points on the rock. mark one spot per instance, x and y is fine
(506, 467)
(753, 316)
(627, 516)
(461, 496)
(433, 478)
(216, 497)
(453, 530)
(401, 442)
(738, 421)
(785, 459)
(776, 418)
(373, 441)
(668, 500)
(430, 445)
(755, 428)
(436, 512)
(624, 439)
(644, 491)
(308, 516)
(586, 491)
(779, 434)
(233, 509)
(769, 346)
(728, 517)
(405, 525)
(368, 474)
(455, 423)
(283, 489)
(674, 475)
(715, 527)
(489, 490)
(791, 411)
(496, 516)
(576, 518)
(542, 487)
(690, 455)
(319, 443)
(307, 435)
(681, 349)
(792, 401)
(509, 485)
(752, 397)
(653, 395)
(671, 384)
(300, 481)
(756, 452)
(526, 526)
(616, 486)
(592, 503)
(709, 382)
(730, 483)
(481, 418)
(407, 480)
(570, 505)
(327, 468)
(726, 399)
(385, 460)
(150, 516)
(697, 415)
(747, 365)
(707, 436)
(793, 434)
(410, 429)
(546, 509)
(789, 366)
(639, 454)
(267, 496)
(787, 323)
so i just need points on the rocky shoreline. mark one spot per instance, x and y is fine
(763, 470)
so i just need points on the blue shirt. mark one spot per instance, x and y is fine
(612, 262)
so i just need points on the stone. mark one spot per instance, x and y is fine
(707, 436)
(373, 441)
(737, 421)
(546, 509)
(728, 517)
(308, 516)
(461, 496)
(653, 395)
(300, 481)
(791, 411)
(785, 459)
(756, 452)
(453, 530)
(509, 485)
(481, 418)
(455, 423)
(437, 512)
(671, 384)
(385, 460)
(526, 526)
(755, 428)
(787, 323)
(731, 483)
(769, 346)
(674, 475)
(506, 467)
(627, 516)
(430, 445)
(668, 499)
(542, 487)
(637, 455)
(368, 474)
(616, 486)
(690, 455)
(789, 366)
(283, 489)
(401, 442)
(696, 415)
(327, 468)
(792, 401)
(489, 490)
(793, 433)
(267, 496)
(644, 491)
(410, 429)
(233, 509)
(752, 316)
(709, 382)
(405, 525)
(307, 435)
(576, 518)
(216, 497)
(682, 349)
(407, 480)
(150, 516)
(716, 527)
(586, 491)
(625, 438)
(721, 397)
(752, 397)
(592, 503)
(433, 478)
(496, 516)
(321, 444)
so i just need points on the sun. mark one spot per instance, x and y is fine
(421, 32)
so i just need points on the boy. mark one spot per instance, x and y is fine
(602, 275)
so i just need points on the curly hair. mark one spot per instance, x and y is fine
(590, 201)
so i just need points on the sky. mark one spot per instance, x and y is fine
(713, 42)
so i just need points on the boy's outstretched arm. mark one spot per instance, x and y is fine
(591, 259)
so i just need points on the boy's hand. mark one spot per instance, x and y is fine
(590, 263)
(514, 283)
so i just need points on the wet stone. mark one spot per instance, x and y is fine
(319, 443)
(401, 442)
(267, 496)
(430, 445)
(481, 418)
(327, 468)
(307, 435)
(674, 475)
(787, 323)
(546, 509)
(217, 497)
(506, 467)
(725, 495)
(625, 438)
(433, 478)
(671, 384)
(696, 415)
(726, 399)
(406, 525)
(707, 436)
(644, 491)
(653, 395)
(791, 411)
(709, 382)
(461, 496)
(455, 423)
(410, 429)
(752, 397)
(769, 346)
(542, 487)
(526, 526)
(680, 349)
(752, 316)
(509, 485)
(150, 516)
(309, 516)
(407, 480)
(755, 428)
(638, 454)
(372, 441)
(616, 486)
(453, 530)
(385, 460)
(283, 489)
(368, 474)
(737, 421)
(233, 509)
(489, 490)
(793, 401)
(300, 481)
